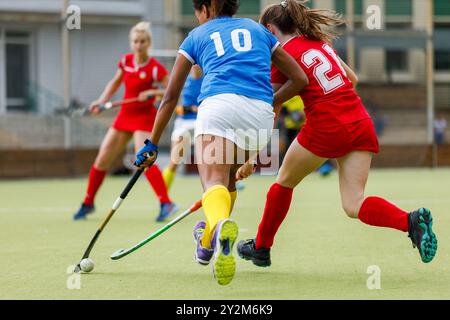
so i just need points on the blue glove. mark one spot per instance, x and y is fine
(147, 155)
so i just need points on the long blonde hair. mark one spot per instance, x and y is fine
(293, 16)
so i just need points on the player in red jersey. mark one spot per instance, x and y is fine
(337, 126)
(139, 73)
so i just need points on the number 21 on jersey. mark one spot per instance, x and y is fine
(235, 39)
(324, 66)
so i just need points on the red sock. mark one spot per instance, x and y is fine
(95, 181)
(380, 213)
(154, 176)
(277, 206)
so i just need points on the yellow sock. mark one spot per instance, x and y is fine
(233, 196)
(216, 205)
(168, 176)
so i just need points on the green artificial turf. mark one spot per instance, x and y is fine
(319, 253)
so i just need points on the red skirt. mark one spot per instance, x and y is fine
(338, 141)
(131, 121)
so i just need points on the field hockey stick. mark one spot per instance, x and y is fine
(111, 104)
(114, 208)
(119, 254)
(104, 106)
(114, 104)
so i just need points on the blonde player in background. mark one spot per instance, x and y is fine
(139, 72)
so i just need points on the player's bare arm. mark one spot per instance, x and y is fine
(350, 73)
(110, 89)
(277, 109)
(290, 68)
(158, 93)
(247, 169)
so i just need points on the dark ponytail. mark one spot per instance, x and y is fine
(218, 8)
(293, 16)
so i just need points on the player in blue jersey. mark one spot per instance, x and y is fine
(184, 127)
(185, 123)
(235, 116)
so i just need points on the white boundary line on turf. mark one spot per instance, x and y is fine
(129, 207)
(424, 202)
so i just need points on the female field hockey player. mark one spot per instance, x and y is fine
(185, 123)
(235, 107)
(139, 72)
(337, 126)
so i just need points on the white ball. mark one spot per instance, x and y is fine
(87, 265)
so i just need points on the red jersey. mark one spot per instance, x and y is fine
(138, 78)
(138, 116)
(330, 98)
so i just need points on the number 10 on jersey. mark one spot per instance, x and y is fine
(236, 35)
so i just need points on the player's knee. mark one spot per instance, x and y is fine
(287, 181)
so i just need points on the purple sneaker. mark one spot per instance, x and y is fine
(201, 255)
(222, 243)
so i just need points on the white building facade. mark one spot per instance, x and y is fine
(31, 63)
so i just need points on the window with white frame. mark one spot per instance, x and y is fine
(17, 71)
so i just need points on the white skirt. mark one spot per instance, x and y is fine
(246, 122)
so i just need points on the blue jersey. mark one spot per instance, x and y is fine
(235, 55)
(189, 96)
